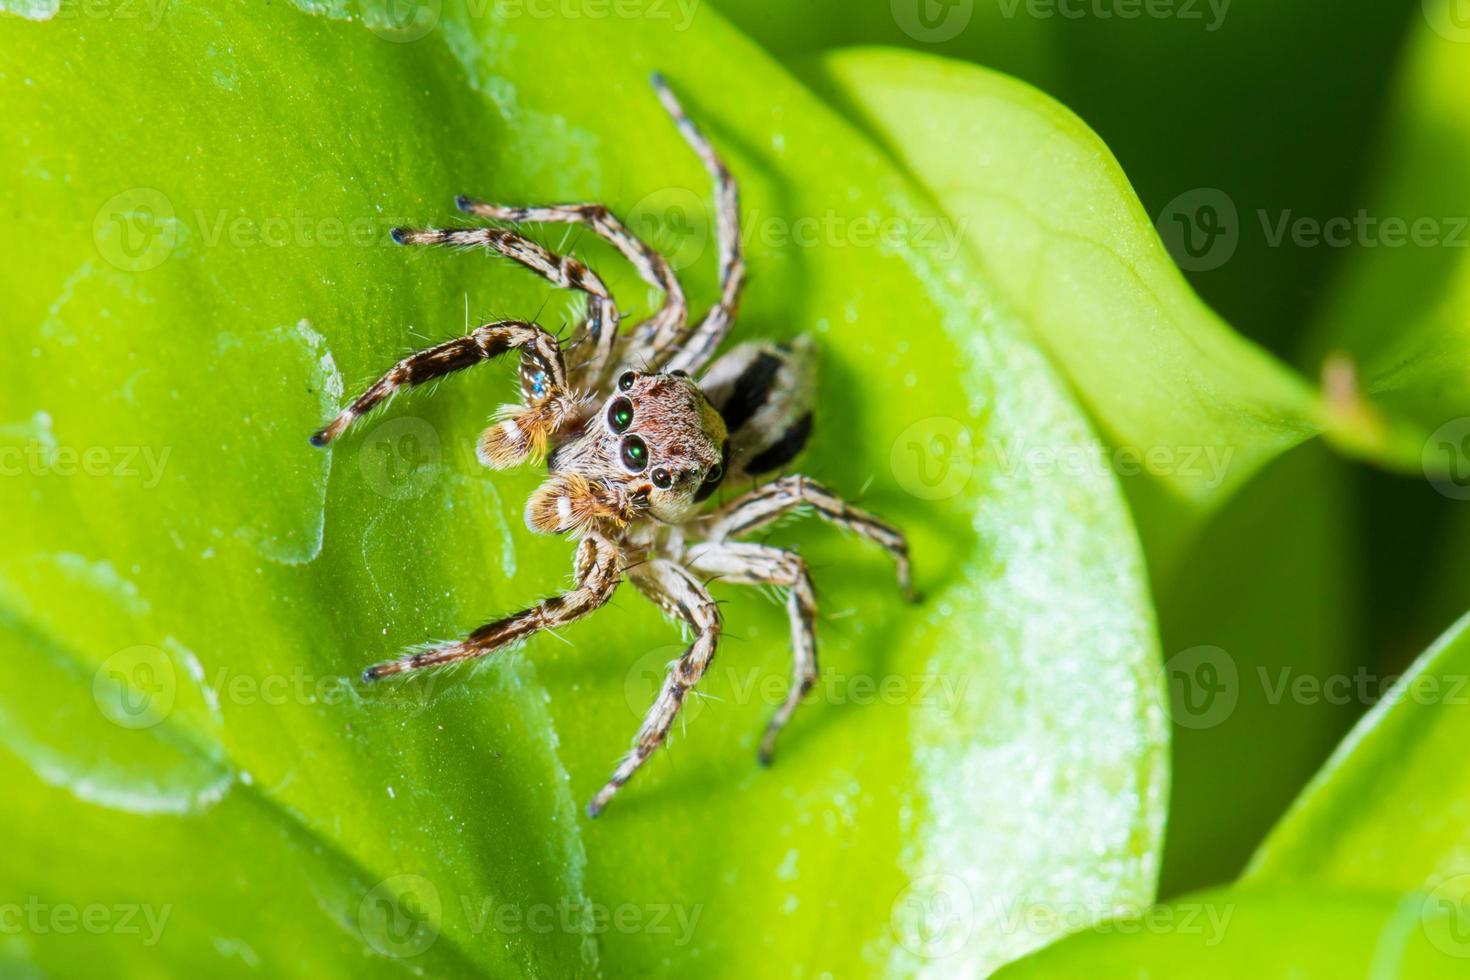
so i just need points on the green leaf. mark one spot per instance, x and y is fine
(1189, 96)
(1190, 409)
(1239, 633)
(1400, 308)
(1390, 809)
(1302, 933)
(198, 271)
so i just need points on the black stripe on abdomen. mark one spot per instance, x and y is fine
(752, 389)
(784, 449)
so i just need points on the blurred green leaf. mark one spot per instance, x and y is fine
(1400, 308)
(1191, 409)
(1264, 603)
(1391, 809)
(198, 270)
(1297, 933)
(1189, 96)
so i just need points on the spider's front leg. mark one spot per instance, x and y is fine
(679, 594)
(598, 571)
(531, 425)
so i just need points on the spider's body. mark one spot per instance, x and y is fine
(635, 446)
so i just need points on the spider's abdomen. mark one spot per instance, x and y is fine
(765, 393)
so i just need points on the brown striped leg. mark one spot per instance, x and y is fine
(778, 498)
(758, 564)
(695, 351)
(667, 323)
(538, 348)
(598, 571)
(591, 349)
(679, 594)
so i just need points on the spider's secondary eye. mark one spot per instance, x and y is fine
(662, 478)
(627, 380)
(713, 474)
(635, 454)
(620, 415)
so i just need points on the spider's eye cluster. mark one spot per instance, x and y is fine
(627, 380)
(634, 454)
(620, 415)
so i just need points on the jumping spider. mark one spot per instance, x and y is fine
(637, 445)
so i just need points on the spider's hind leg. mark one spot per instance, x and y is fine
(679, 594)
(758, 564)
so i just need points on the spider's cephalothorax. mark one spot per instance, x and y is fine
(635, 445)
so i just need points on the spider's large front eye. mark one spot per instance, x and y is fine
(662, 478)
(627, 381)
(635, 454)
(620, 415)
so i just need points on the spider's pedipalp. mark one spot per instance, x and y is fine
(481, 344)
(598, 572)
(678, 593)
(757, 564)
